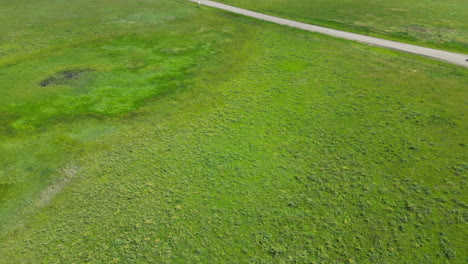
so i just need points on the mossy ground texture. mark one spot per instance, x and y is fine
(168, 133)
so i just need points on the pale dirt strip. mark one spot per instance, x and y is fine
(446, 56)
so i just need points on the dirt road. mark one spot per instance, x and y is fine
(446, 56)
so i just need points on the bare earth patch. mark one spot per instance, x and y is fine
(49, 193)
(63, 77)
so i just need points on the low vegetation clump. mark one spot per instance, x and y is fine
(175, 134)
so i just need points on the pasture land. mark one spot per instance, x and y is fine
(159, 132)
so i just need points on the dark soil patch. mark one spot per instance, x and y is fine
(63, 77)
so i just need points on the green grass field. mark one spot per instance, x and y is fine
(433, 23)
(160, 132)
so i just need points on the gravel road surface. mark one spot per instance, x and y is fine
(446, 56)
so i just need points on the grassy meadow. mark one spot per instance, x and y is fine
(437, 24)
(161, 132)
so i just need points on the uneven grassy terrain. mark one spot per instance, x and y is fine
(69, 69)
(186, 134)
(438, 24)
